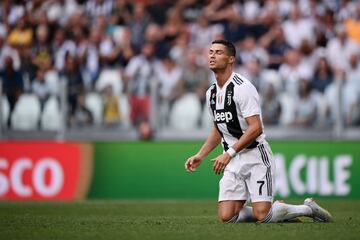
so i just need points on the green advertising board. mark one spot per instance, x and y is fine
(155, 170)
(313, 168)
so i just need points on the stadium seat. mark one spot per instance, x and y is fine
(51, 115)
(5, 108)
(321, 104)
(52, 80)
(185, 113)
(287, 108)
(110, 77)
(206, 120)
(94, 103)
(26, 113)
(272, 77)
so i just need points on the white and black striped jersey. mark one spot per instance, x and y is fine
(230, 105)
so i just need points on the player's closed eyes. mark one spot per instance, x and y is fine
(218, 52)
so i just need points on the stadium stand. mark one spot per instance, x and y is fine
(189, 119)
(51, 115)
(94, 103)
(5, 111)
(90, 43)
(27, 112)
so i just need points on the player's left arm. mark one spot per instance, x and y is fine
(251, 133)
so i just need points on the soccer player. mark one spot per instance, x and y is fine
(247, 163)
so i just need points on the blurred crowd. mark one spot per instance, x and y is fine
(302, 56)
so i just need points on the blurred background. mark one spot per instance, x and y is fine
(127, 69)
(113, 72)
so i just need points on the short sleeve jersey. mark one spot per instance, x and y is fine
(230, 105)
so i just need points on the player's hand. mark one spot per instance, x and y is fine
(220, 162)
(192, 163)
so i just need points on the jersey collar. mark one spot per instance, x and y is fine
(226, 83)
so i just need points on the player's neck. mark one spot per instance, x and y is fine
(222, 76)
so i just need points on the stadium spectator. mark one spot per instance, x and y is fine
(138, 25)
(22, 34)
(270, 105)
(305, 113)
(276, 46)
(106, 47)
(61, 46)
(353, 72)
(352, 24)
(78, 19)
(292, 70)
(252, 70)
(308, 56)
(353, 82)
(4, 10)
(325, 27)
(282, 8)
(121, 13)
(167, 73)
(154, 35)
(174, 26)
(82, 116)
(59, 12)
(41, 88)
(180, 48)
(346, 10)
(145, 131)
(228, 14)
(122, 41)
(90, 54)
(111, 114)
(138, 76)
(12, 84)
(41, 50)
(323, 75)
(202, 32)
(93, 8)
(194, 78)
(342, 100)
(340, 48)
(7, 51)
(298, 28)
(190, 9)
(250, 50)
(74, 81)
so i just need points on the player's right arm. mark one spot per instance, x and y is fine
(211, 142)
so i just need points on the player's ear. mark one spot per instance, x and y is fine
(232, 59)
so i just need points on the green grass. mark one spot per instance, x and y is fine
(161, 220)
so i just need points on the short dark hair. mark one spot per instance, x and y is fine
(229, 46)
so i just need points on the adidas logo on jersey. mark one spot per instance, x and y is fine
(222, 117)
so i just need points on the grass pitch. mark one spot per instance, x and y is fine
(161, 220)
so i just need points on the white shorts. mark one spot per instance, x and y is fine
(254, 179)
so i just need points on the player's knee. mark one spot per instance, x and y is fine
(225, 217)
(260, 213)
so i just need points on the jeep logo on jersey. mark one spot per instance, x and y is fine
(220, 116)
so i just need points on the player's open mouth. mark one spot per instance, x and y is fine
(212, 61)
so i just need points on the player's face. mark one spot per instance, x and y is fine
(218, 57)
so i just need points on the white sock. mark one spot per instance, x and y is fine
(280, 212)
(245, 215)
